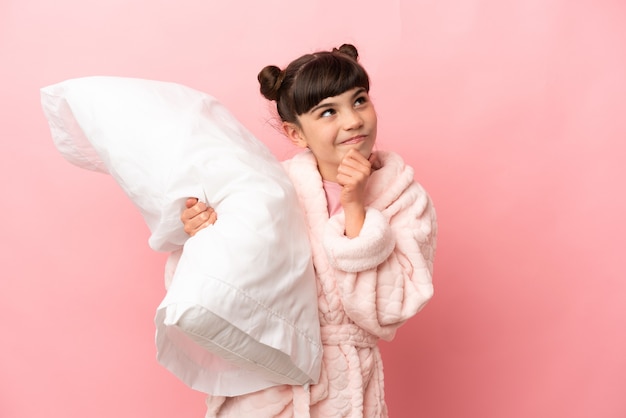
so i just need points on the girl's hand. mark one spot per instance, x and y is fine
(352, 175)
(197, 216)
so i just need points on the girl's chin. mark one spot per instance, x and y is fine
(364, 148)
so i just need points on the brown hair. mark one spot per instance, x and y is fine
(312, 78)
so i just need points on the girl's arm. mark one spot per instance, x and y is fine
(352, 175)
(385, 274)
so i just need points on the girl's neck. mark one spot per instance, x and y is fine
(328, 173)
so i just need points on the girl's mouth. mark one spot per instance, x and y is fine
(354, 140)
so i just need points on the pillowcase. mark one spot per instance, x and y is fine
(240, 313)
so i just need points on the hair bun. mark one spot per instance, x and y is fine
(270, 78)
(349, 50)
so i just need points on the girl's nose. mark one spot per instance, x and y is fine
(353, 120)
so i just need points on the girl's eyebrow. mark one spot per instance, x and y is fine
(358, 92)
(322, 106)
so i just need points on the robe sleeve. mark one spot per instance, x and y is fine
(385, 274)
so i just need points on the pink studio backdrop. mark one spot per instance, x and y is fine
(512, 113)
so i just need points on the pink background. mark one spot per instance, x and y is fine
(512, 113)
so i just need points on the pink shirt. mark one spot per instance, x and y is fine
(333, 195)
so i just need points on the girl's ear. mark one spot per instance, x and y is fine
(294, 133)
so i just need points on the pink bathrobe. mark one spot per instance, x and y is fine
(367, 287)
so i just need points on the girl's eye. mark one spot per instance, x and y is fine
(328, 112)
(360, 100)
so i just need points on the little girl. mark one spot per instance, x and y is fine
(372, 230)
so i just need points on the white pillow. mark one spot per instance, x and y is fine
(241, 312)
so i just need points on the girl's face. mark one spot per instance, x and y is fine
(335, 125)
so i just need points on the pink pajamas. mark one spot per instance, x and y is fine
(368, 286)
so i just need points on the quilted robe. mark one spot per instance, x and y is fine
(368, 286)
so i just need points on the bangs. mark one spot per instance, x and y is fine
(326, 76)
